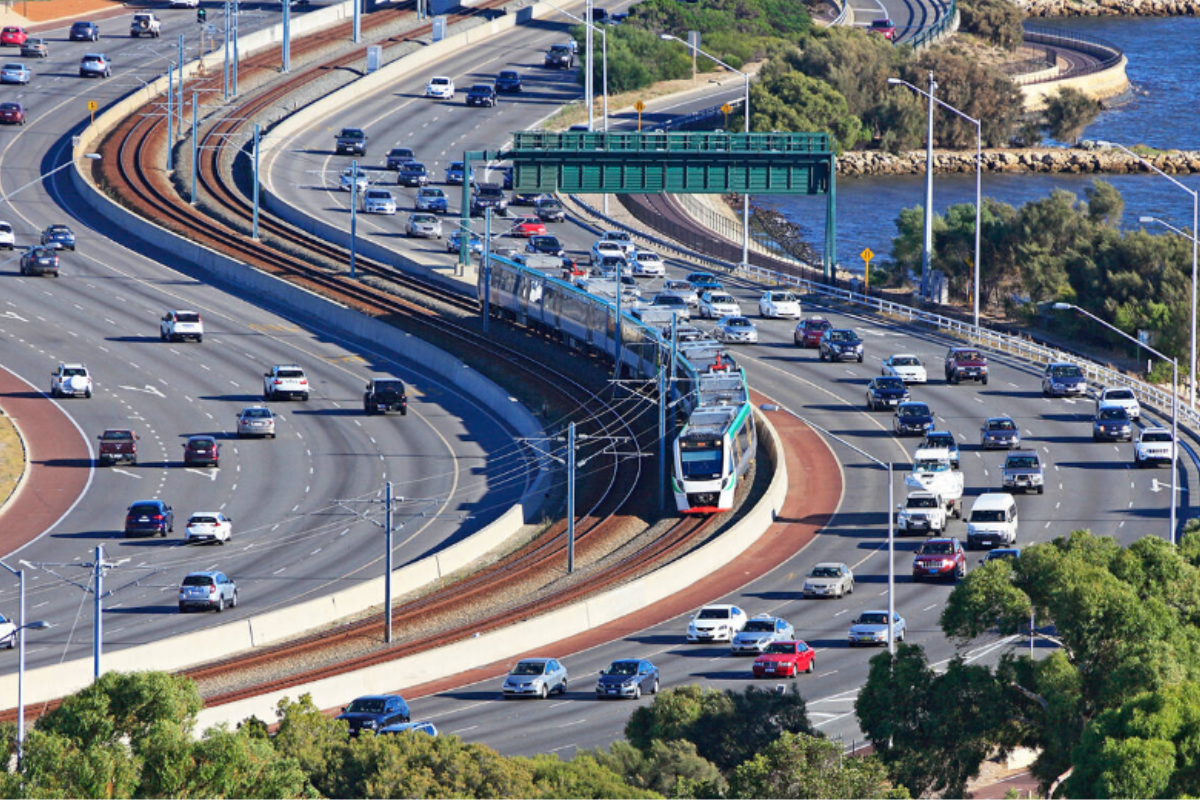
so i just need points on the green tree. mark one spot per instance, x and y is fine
(784, 99)
(584, 776)
(997, 21)
(800, 765)
(672, 768)
(978, 90)
(1068, 112)
(124, 705)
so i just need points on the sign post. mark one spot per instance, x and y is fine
(92, 105)
(867, 255)
(640, 107)
(726, 109)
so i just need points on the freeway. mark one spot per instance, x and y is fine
(1090, 485)
(450, 459)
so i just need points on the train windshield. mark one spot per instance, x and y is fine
(701, 464)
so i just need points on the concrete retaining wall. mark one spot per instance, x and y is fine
(1098, 85)
(536, 632)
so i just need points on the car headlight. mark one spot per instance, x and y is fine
(369, 723)
(808, 586)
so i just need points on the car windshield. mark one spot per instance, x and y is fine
(481, 88)
(720, 298)
(937, 548)
(701, 277)
(1118, 394)
(389, 386)
(529, 668)
(377, 194)
(738, 322)
(439, 82)
(905, 361)
(623, 668)
(642, 256)
(1156, 436)
(1113, 412)
(1001, 425)
(759, 626)
(785, 297)
(873, 618)
(617, 236)
(413, 167)
(914, 410)
(842, 336)
(423, 219)
(490, 191)
(202, 520)
(818, 325)
(455, 166)
(431, 193)
(1022, 462)
(400, 152)
(200, 444)
(988, 515)
(198, 580)
(117, 436)
(351, 133)
(59, 229)
(713, 613)
(92, 58)
(782, 647)
(368, 705)
(677, 286)
(256, 413)
(1068, 371)
(881, 23)
(17, 67)
(889, 383)
(668, 300)
(922, 502)
(290, 373)
(968, 355)
(940, 440)
(508, 75)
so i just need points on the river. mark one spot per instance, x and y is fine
(1165, 73)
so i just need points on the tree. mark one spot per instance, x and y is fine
(784, 99)
(124, 705)
(1068, 112)
(978, 90)
(800, 765)
(997, 21)
(671, 768)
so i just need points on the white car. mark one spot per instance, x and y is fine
(1120, 396)
(184, 4)
(209, 526)
(285, 380)
(347, 178)
(719, 623)
(714, 305)
(907, 368)
(181, 325)
(605, 249)
(780, 305)
(8, 239)
(622, 240)
(8, 632)
(1154, 445)
(648, 263)
(425, 226)
(378, 201)
(735, 330)
(70, 380)
(440, 87)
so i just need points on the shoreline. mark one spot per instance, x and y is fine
(1067, 9)
(1075, 160)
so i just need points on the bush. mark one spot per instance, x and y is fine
(1068, 112)
(784, 99)
(997, 21)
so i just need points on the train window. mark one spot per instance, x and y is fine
(701, 464)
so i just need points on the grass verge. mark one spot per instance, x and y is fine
(12, 458)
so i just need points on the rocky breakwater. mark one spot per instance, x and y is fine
(1109, 8)
(1033, 159)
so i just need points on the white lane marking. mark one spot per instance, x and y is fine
(570, 725)
(926, 608)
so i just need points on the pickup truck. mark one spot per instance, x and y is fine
(285, 380)
(352, 141)
(922, 512)
(145, 23)
(384, 395)
(118, 445)
(932, 472)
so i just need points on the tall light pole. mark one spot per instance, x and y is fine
(929, 186)
(589, 93)
(22, 626)
(1195, 237)
(746, 128)
(1174, 402)
(6, 196)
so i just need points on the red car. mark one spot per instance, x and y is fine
(940, 558)
(201, 451)
(13, 35)
(808, 332)
(785, 659)
(528, 226)
(12, 113)
(884, 27)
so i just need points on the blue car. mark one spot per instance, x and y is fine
(886, 392)
(912, 419)
(454, 173)
(1064, 380)
(374, 712)
(1001, 552)
(508, 80)
(704, 282)
(425, 727)
(60, 237)
(628, 677)
(943, 440)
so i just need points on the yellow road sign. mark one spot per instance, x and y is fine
(93, 105)
(726, 108)
(640, 106)
(867, 254)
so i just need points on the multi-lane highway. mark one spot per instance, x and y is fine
(449, 458)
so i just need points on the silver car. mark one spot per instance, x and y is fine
(256, 421)
(829, 580)
(761, 631)
(684, 290)
(378, 201)
(15, 72)
(426, 226)
(207, 590)
(536, 677)
(347, 179)
(736, 330)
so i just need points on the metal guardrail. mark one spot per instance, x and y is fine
(947, 23)
(1016, 69)
(1107, 52)
(695, 119)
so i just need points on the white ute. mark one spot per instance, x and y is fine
(285, 380)
(70, 380)
(932, 472)
(181, 325)
(923, 512)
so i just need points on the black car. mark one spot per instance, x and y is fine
(841, 344)
(149, 518)
(912, 418)
(547, 245)
(201, 451)
(384, 395)
(39, 261)
(398, 156)
(559, 56)
(525, 198)
(84, 32)
(549, 210)
(886, 392)
(412, 173)
(488, 195)
(509, 82)
(999, 432)
(482, 94)
(1112, 424)
(628, 677)
(374, 712)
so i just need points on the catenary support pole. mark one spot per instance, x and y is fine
(195, 145)
(21, 673)
(487, 267)
(927, 241)
(589, 94)
(286, 50)
(98, 620)
(357, 21)
(170, 117)
(891, 514)
(353, 215)
(237, 12)
(257, 140)
(571, 497)
(179, 85)
(387, 561)
(226, 68)
(662, 437)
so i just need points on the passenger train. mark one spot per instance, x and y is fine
(716, 447)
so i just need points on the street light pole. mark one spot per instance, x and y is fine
(1174, 403)
(8, 196)
(588, 90)
(927, 242)
(22, 626)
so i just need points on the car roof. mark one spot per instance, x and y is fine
(717, 605)
(1016, 453)
(1155, 429)
(833, 564)
(537, 660)
(203, 574)
(1001, 418)
(941, 539)
(72, 365)
(202, 437)
(911, 403)
(207, 514)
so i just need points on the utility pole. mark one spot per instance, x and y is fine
(357, 21)
(571, 498)
(588, 89)
(170, 117)
(226, 70)
(179, 100)
(236, 13)
(662, 437)
(195, 145)
(387, 575)
(354, 210)
(254, 231)
(927, 246)
(287, 36)
(487, 265)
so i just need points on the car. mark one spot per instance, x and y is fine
(209, 589)
(1001, 554)
(785, 660)
(508, 81)
(424, 726)
(145, 23)
(886, 392)
(12, 114)
(993, 521)
(717, 304)
(149, 517)
(546, 245)
(704, 282)
(118, 445)
(647, 263)
(871, 627)
(829, 579)
(1123, 397)
(39, 261)
(528, 226)
(535, 677)
(943, 440)
(15, 72)
(285, 380)
(13, 36)
(425, 226)
(808, 333)
(35, 47)
(999, 432)
(208, 526)
(761, 631)
(1023, 471)
(95, 65)
(489, 195)
(378, 201)
(907, 368)
(1153, 446)
(1112, 424)
(453, 243)
(912, 418)
(84, 32)
(397, 156)
(622, 239)
(413, 173)
(522, 198)
(779, 305)
(672, 302)
(383, 395)
(940, 558)
(1064, 380)
(194, 3)
(351, 141)
(59, 236)
(716, 623)
(70, 380)
(883, 27)
(374, 712)
(966, 364)
(201, 451)
(481, 94)
(256, 421)
(180, 326)
(922, 512)
(559, 56)
(549, 209)
(683, 290)
(8, 239)
(347, 180)
(603, 249)
(454, 173)
(735, 330)
(8, 632)
(840, 344)
(506, 175)
(628, 677)
(431, 198)
(440, 87)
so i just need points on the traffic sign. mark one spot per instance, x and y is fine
(93, 105)
(640, 106)
(725, 109)
(867, 255)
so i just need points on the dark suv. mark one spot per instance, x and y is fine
(398, 156)
(374, 712)
(940, 558)
(509, 81)
(482, 94)
(39, 261)
(488, 195)
(149, 518)
(966, 364)
(384, 395)
(841, 344)
(201, 451)
(412, 173)
(560, 56)
(84, 32)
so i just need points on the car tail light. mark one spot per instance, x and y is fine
(277, 381)
(212, 589)
(304, 382)
(158, 517)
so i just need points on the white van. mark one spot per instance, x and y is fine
(993, 521)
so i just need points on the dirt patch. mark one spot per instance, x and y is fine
(12, 458)
(46, 10)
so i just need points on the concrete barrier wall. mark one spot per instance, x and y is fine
(1098, 85)
(540, 631)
